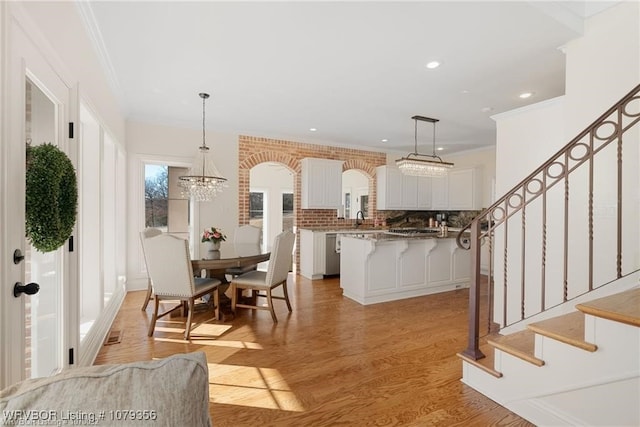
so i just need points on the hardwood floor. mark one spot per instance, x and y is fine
(330, 362)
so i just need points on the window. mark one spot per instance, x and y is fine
(165, 206)
(101, 219)
(287, 211)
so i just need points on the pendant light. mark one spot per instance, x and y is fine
(432, 165)
(203, 181)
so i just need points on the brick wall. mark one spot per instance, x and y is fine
(252, 151)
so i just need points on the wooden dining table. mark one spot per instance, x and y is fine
(216, 263)
(230, 255)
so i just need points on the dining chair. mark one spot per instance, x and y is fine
(145, 234)
(169, 265)
(245, 236)
(267, 281)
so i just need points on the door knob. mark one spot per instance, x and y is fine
(18, 257)
(29, 289)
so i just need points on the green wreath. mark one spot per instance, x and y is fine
(51, 197)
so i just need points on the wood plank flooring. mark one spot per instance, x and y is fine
(330, 362)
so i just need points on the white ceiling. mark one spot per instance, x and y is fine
(355, 71)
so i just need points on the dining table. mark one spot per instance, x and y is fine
(216, 262)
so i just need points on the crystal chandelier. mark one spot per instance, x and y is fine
(432, 166)
(203, 181)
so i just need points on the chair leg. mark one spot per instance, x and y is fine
(148, 296)
(187, 331)
(154, 317)
(234, 297)
(270, 304)
(286, 295)
(216, 302)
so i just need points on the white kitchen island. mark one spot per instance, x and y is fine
(382, 267)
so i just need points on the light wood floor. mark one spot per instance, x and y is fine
(330, 362)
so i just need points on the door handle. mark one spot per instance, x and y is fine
(29, 289)
(18, 257)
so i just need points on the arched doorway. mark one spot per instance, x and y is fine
(271, 196)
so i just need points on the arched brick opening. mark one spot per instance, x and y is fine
(255, 150)
(244, 178)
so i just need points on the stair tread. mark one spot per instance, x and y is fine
(520, 344)
(486, 363)
(567, 328)
(623, 307)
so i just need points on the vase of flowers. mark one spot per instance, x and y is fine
(212, 237)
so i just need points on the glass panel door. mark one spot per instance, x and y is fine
(43, 311)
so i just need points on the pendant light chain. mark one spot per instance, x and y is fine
(203, 181)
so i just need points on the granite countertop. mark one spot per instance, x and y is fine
(347, 229)
(383, 236)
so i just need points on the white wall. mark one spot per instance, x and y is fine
(62, 27)
(602, 66)
(177, 146)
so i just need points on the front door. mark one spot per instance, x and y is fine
(34, 328)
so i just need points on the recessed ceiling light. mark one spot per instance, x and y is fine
(433, 64)
(464, 91)
(486, 109)
(440, 148)
(525, 95)
(384, 140)
(313, 129)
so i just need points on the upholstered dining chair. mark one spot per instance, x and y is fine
(169, 266)
(145, 234)
(267, 281)
(245, 235)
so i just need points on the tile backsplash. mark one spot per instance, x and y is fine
(420, 219)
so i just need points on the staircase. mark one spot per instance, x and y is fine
(554, 324)
(579, 368)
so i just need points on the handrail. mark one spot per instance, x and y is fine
(536, 186)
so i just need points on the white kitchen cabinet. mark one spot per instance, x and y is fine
(312, 253)
(465, 189)
(440, 192)
(321, 183)
(389, 188)
(425, 193)
(397, 191)
(409, 192)
(374, 271)
(460, 189)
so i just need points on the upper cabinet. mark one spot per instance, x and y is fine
(440, 192)
(465, 189)
(461, 189)
(321, 183)
(403, 192)
(389, 188)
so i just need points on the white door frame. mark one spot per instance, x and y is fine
(21, 49)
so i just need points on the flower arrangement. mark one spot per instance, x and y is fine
(214, 235)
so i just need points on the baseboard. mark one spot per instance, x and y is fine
(93, 341)
(539, 413)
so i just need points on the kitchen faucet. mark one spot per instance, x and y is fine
(359, 218)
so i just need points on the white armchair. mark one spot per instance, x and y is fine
(145, 234)
(169, 265)
(244, 236)
(266, 281)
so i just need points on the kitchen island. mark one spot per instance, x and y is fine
(381, 267)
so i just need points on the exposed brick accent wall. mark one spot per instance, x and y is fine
(252, 151)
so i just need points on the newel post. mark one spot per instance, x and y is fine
(473, 346)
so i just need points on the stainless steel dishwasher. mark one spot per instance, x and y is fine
(332, 256)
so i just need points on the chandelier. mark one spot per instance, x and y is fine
(203, 181)
(431, 165)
